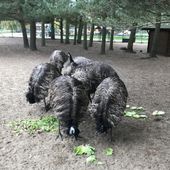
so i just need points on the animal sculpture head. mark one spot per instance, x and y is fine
(58, 58)
(73, 129)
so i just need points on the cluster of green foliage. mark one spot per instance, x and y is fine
(135, 112)
(10, 25)
(90, 151)
(45, 124)
(139, 112)
(116, 14)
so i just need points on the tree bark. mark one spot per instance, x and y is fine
(80, 30)
(52, 30)
(75, 34)
(85, 37)
(131, 38)
(61, 30)
(153, 52)
(103, 44)
(111, 39)
(42, 33)
(24, 34)
(67, 40)
(91, 36)
(33, 35)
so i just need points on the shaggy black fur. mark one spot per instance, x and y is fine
(40, 79)
(68, 100)
(109, 103)
(90, 73)
(30, 97)
(58, 58)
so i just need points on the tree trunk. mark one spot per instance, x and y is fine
(61, 30)
(103, 44)
(111, 39)
(42, 33)
(153, 52)
(131, 38)
(80, 30)
(24, 34)
(75, 34)
(52, 30)
(85, 37)
(91, 36)
(33, 35)
(67, 40)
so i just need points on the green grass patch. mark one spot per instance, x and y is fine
(117, 38)
(45, 124)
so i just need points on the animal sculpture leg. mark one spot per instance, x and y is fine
(59, 131)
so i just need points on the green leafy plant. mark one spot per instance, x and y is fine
(45, 124)
(109, 151)
(84, 150)
(134, 112)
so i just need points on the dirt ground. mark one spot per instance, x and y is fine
(138, 144)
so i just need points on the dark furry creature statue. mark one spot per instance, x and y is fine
(79, 60)
(41, 77)
(58, 58)
(90, 73)
(109, 103)
(68, 101)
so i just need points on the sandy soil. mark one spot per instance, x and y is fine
(138, 144)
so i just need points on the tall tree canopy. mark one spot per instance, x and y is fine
(115, 14)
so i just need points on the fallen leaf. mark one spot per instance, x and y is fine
(99, 163)
(91, 159)
(158, 113)
(133, 107)
(143, 116)
(109, 151)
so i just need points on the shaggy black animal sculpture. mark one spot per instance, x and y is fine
(41, 77)
(109, 103)
(90, 73)
(68, 101)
